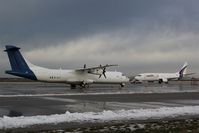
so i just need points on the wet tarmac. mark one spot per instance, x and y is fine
(34, 98)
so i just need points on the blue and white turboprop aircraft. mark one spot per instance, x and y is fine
(81, 77)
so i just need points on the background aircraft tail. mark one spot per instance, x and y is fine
(18, 64)
(183, 70)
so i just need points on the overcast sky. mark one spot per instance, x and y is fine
(139, 35)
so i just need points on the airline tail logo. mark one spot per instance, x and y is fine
(18, 64)
(183, 70)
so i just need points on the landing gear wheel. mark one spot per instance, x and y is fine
(122, 85)
(72, 86)
(160, 81)
(83, 86)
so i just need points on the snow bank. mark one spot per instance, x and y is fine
(135, 114)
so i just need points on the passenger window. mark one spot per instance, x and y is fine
(149, 75)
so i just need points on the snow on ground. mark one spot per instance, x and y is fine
(134, 114)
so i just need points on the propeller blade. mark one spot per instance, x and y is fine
(104, 71)
(100, 75)
(84, 65)
(104, 75)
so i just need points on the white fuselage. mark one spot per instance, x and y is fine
(156, 76)
(74, 77)
(162, 77)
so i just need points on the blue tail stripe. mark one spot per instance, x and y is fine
(182, 71)
(18, 64)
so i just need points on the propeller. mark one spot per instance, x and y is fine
(84, 65)
(103, 72)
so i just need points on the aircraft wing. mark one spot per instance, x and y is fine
(100, 67)
(100, 70)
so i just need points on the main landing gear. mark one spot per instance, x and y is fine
(82, 86)
(160, 81)
(73, 86)
(122, 85)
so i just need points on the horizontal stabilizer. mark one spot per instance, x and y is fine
(28, 75)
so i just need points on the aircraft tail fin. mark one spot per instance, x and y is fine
(183, 70)
(18, 63)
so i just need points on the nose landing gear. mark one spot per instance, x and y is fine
(122, 85)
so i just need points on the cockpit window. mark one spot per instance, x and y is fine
(139, 75)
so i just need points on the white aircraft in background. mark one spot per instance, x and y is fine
(162, 77)
(82, 77)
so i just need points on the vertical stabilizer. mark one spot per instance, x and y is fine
(17, 61)
(18, 64)
(183, 70)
